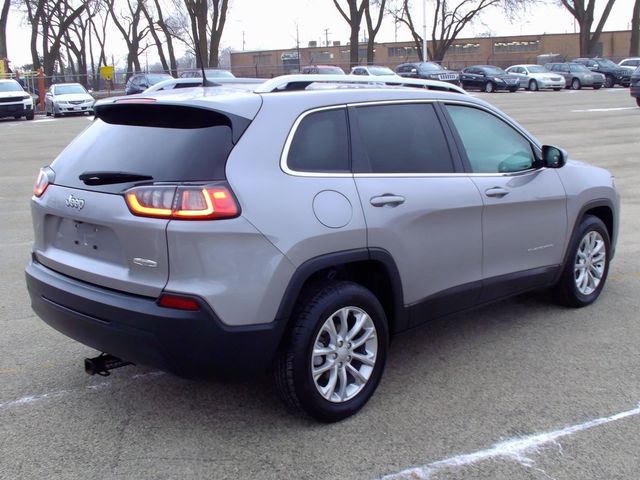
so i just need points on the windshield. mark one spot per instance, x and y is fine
(153, 79)
(10, 87)
(381, 71)
(607, 63)
(537, 69)
(65, 89)
(430, 67)
(331, 70)
(494, 71)
(577, 67)
(218, 74)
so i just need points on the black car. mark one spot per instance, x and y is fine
(429, 71)
(139, 82)
(613, 73)
(635, 85)
(488, 78)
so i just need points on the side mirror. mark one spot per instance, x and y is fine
(553, 157)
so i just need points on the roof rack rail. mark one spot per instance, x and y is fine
(300, 82)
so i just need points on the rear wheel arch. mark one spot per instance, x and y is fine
(374, 269)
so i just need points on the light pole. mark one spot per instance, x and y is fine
(425, 55)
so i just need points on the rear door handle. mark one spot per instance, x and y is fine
(498, 192)
(387, 199)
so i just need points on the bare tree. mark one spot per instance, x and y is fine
(448, 21)
(584, 15)
(354, 19)
(4, 16)
(634, 47)
(207, 18)
(158, 24)
(133, 32)
(49, 20)
(373, 29)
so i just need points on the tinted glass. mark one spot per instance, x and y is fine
(11, 86)
(537, 69)
(492, 146)
(158, 149)
(430, 67)
(321, 143)
(66, 89)
(404, 139)
(493, 71)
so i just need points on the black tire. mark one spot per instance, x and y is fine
(566, 291)
(30, 116)
(557, 89)
(638, 101)
(489, 87)
(17, 117)
(55, 114)
(513, 90)
(597, 87)
(575, 84)
(609, 82)
(533, 86)
(293, 372)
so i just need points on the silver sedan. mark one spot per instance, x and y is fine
(65, 98)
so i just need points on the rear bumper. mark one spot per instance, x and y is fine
(136, 329)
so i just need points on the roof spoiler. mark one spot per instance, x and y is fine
(300, 82)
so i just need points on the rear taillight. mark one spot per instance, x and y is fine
(193, 202)
(45, 177)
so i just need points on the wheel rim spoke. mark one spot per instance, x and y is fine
(344, 354)
(590, 262)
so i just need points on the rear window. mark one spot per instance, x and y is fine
(167, 143)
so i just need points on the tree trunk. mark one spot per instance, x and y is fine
(4, 15)
(634, 47)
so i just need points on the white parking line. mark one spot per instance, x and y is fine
(29, 399)
(604, 109)
(515, 449)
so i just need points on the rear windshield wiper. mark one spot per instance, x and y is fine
(109, 178)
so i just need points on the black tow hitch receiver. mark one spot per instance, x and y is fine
(101, 364)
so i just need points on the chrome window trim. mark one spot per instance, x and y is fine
(297, 173)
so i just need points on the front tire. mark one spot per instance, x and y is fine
(336, 353)
(587, 265)
(609, 82)
(575, 84)
(533, 86)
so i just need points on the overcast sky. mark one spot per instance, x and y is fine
(272, 24)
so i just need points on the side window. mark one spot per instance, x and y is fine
(403, 138)
(492, 146)
(320, 143)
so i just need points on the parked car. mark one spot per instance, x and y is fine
(635, 85)
(429, 71)
(14, 101)
(66, 98)
(322, 70)
(139, 82)
(170, 244)
(373, 70)
(488, 78)
(536, 77)
(209, 73)
(630, 64)
(613, 73)
(577, 75)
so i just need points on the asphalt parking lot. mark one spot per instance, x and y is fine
(521, 389)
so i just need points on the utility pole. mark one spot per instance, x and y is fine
(425, 55)
(243, 41)
(298, 45)
(326, 36)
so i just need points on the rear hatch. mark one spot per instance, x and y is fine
(83, 226)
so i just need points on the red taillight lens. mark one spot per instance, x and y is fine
(42, 182)
(178, 302)
(187, 202)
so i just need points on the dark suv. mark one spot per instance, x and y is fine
(613, 73)
(635, 85)
(429, 71)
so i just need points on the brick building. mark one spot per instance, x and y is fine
(501, 51)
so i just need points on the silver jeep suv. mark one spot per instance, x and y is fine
(296, 226)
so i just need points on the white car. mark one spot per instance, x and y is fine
(14, 101)
(630, 64)
(65, 98)
(373, 70)
(536, 77)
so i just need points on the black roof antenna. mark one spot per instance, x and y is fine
(205, 82)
